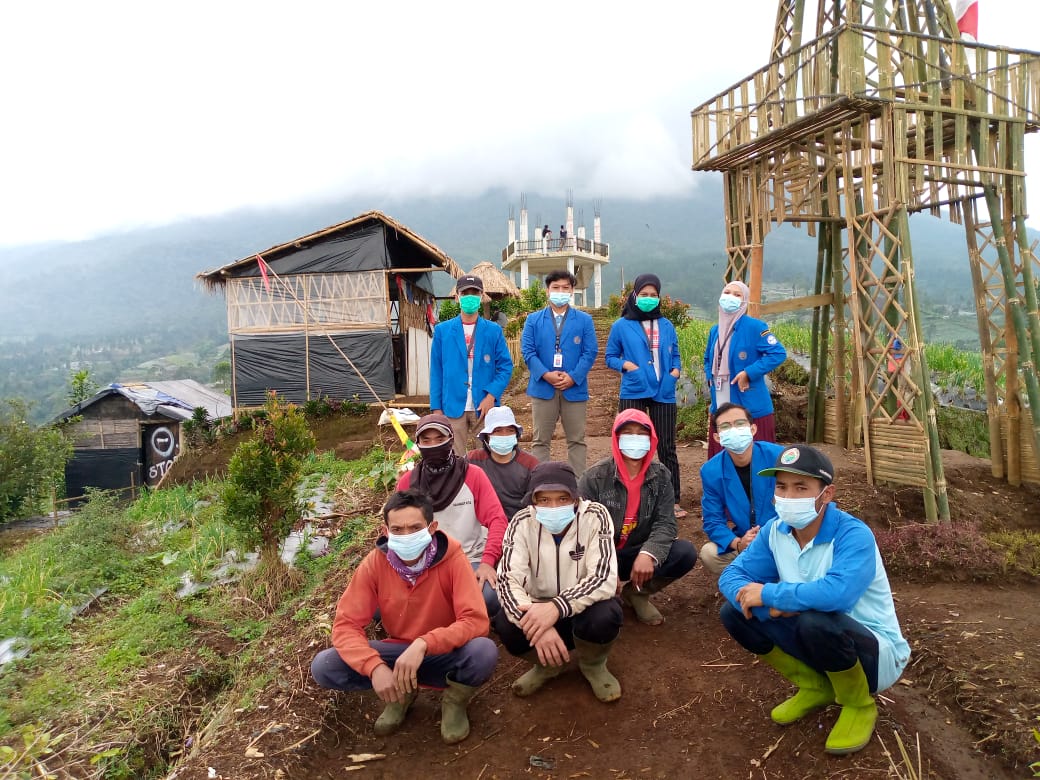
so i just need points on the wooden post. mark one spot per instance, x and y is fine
(755, 280)
(54, 505)
(133, 486)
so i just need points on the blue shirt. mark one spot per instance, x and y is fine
(449, 365)
(724, 501)
(628, 341)
(578, 346)
(840, 570)
(754, 349)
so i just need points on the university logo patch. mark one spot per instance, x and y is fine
(487, 358)
(742, 355)
(771, 340)
(789, 457)
(577, 339)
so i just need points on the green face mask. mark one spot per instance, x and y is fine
(469, 304)
(647, 304)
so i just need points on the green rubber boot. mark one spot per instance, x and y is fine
(454, 720)
(534, 678)
(640, 600)
(814, 689)
(592, 660)
(393, 715)
(855, 724)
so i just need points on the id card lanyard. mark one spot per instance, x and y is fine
(557, 354)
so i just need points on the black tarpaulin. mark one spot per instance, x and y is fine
(106, 469)
(360, 249)
(278, 362)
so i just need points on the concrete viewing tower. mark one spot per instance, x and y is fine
(539, 255)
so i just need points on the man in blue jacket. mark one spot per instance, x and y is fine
(811, 598)
(735, 500)
(559, 347)
(470, 365)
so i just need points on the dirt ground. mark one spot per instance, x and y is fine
(694, 703)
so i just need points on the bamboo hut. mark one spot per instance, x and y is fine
(344, 312)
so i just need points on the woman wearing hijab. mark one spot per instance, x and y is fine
(643, 347)
(740, 352)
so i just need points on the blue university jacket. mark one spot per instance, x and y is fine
(840, 570)
(627, 341)
(754, 349)
(577, 343)
(723, 499)
(449, 372)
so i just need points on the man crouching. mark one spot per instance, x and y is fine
(557, 580)
(432, 609)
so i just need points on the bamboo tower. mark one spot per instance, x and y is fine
(886, 112)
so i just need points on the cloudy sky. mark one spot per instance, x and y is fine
(121, 114)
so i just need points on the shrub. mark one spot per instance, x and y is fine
(923, 551)
(260, 498)
(692, 421)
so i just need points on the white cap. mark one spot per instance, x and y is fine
(497, 417)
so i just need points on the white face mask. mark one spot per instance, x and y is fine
(797, 512)
(634, 445)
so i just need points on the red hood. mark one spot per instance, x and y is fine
(627, 416)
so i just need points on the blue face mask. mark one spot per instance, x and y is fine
(737, 439)
(796, 512)
(729, 303)
(554, 518)
(408, 547)
(559, 298)
(469, 304)
(634, 445)
(647, 304)
(502, 445)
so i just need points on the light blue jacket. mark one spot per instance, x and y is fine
(627, 341)
(840, 570)
(577, 344)
(449, 371)
(754, 349)
(723, 499)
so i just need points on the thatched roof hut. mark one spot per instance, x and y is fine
(344, 312)
(496, 284)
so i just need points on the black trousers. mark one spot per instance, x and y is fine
(663, 416)
(681, 559)
(598, 623)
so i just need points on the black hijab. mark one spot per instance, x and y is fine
(632, 312)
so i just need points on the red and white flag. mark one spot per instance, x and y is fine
(967, 14)
(263, 272)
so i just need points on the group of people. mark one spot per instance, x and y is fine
(546, 553)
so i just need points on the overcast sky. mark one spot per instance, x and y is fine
(118, 115)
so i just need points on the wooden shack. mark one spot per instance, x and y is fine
(129, 434)
(345, 312)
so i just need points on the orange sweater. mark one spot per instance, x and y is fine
(444, 607)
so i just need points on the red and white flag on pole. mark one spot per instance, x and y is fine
(967, 13)
(263, 272)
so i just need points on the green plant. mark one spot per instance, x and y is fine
(1021, 550)
(449, 308)
(32, 460)
(259, 496)
(81, 386)
(28, 760)
(692, 421)
(355, 407)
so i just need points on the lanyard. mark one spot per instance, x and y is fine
(559, 328)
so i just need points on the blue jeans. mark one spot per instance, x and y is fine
(826, 641)
(472, 664)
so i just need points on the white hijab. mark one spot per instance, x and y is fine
(720, 360)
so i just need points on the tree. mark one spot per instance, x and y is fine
(222, 375)
(81, 386)
(32, 460)
(260, 494)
